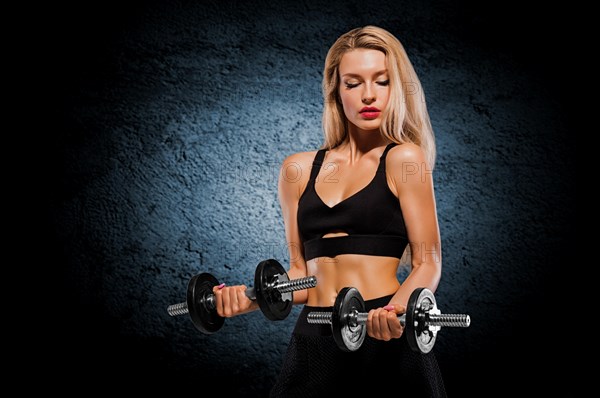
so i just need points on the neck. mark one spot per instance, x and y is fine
(361, 142)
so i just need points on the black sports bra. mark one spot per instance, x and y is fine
(372, 218)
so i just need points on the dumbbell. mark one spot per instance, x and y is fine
(272, 289)
(422, 320)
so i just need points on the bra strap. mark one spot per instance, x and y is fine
(389, 146)
(316, 166)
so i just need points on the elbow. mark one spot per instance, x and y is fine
(436, 276)
(300, 297)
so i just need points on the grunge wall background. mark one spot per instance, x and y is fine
(172, 119)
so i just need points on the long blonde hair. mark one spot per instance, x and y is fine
(405, 119)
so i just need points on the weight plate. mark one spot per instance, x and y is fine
(200, 305)
(273, 304)
(420, 338)
(347, 334)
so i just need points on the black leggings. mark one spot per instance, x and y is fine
(314, 366)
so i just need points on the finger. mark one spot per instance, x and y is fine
(226, 301)
(396, 308)
(243, 300)
(394, 325)
(399, 309)
(219, 304)
(233, 305)
(384, 328)
(371, 331)
(240, 299)
(216, 288)
(378, 325)
(217, 291)
(393, 322)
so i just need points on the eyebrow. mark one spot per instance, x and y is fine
(381, 72)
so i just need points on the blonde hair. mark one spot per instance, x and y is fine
(405, 118)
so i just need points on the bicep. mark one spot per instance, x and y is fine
(417, 201)
(419, 212)
(289, 194)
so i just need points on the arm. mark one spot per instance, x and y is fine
(293, 177)
(413, 184)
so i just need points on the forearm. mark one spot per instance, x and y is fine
(235, 300)
(424, 275)
(297, 271)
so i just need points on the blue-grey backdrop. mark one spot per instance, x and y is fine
(174, 119)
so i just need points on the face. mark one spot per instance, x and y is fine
(364, 87)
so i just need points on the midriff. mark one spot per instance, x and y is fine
(373, 276)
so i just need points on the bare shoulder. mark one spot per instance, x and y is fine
(296, 167)
(301, 158)
(406, 153)
(407, 162)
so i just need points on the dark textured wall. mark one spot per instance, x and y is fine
(174, 118)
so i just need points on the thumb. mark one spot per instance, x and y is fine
(397, 308)
(218, 287)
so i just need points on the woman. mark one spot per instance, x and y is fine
(349, 215)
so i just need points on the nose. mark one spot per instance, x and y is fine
(368, 95)
(368, 101)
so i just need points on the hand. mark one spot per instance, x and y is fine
(383, 323)
(232, 300)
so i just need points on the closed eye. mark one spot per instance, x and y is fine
(384, 82)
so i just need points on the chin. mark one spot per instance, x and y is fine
(369, 126)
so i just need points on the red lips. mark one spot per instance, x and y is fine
(370, 112)
(369, 109)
